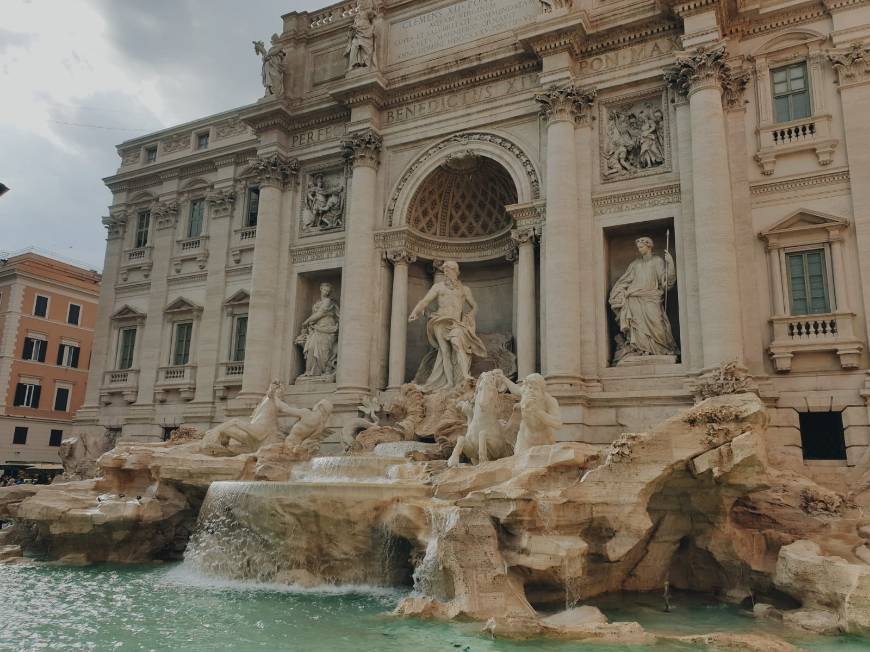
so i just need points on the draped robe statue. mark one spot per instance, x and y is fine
(450, 330)
(360, 51)
(319, 337)
(637, 300)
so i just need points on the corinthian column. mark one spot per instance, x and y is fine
(526, 331)
(562, 107)
(700, 76)
(399, 316)
(359, 277)
(274, 173)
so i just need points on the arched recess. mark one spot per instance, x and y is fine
(495, 146)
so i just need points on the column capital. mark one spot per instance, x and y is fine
(114, 226)
(274, 170)
(566, 103)
(221, 202)
(525, 235)
(363, 148)
(165, 214)
(703, 67)
(851, 64)
(400, 257)
(734, 84)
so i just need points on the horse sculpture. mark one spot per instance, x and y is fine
(487, 437)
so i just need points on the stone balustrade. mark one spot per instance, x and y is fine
(833, 331)
(120, 381)
(332, 14)
(809, 134)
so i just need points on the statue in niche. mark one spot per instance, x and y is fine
(638, 302)
(273, 66)
(451, 331)
(319, 338)
(360, 50)
(635, 140)
(324, 206)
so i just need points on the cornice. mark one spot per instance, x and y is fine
(618, 202)
(319, 251)
(626, 36)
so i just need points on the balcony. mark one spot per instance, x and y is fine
(246, 233)
(229, 375)
(777, 140)
(178, 377)
(833, 331)
(120, 381)
(192, 245)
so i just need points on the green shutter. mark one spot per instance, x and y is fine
(182, 343)
(808, 282)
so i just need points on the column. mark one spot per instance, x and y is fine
(699, 75)
(561, 107)
(273, 173)
(773, 255)
(399, 317)
(359, 276)
(526, 334)
(841, 283)
(115, 226)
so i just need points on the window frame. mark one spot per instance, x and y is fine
(194, 203)
(16, 431)
(252, 191)
(173, 351)
(120, 360)
(150, 154)
(31, 390)
(807, 91)
(198, 139)
(141, 236)
(57, 389)
(68, 355)
(78, 320)
(37, 353)
(36, 299)
(234, 336)
(51, 437)
(828, 278)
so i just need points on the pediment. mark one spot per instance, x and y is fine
(128, 313)
(789, 39)
(182, 305)
(806, 220)
(239, 298)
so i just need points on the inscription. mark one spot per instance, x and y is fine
(460, 23)
(460, 99)
(328, 65)
(628, 56)
(314, 136)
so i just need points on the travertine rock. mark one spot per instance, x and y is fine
(79, 453)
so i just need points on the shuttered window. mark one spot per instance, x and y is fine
(27, 395)
(34, 349)
(253, 206)
(68, 356)
(55, 437)
(19, 436)
(791, 95)
(240, 333)
(808, 282)
(143, 225)
(61, 399)
(194, 223)
(126, 346)
(181, 350)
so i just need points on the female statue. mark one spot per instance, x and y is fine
(273, 66)
(319, 337)
(360, 50)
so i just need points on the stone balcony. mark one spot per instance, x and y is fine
(181, 378)
(229, 375)
(120, 381)
(191, 245)
(776, 140)
(833, 331)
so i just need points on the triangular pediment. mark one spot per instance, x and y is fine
(128, 313)
(806, 220)
(182, 305)
(239, 298)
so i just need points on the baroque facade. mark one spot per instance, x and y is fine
(636, 192)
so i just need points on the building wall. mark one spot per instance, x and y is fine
(437, 105)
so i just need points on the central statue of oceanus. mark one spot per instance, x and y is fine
(451, 331)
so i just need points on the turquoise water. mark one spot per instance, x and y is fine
(168, 608)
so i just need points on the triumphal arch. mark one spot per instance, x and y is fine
(632, 193)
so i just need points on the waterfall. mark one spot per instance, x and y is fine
(429, 578)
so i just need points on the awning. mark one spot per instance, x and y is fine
(39, 466)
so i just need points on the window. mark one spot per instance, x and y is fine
(19, 436)
(61, 399)
(34, 349)
(822, 436)
(143, 224)
(791, 95)
(68, 356)
(73, 314)
(253, 206)
(808, 282)
(181, 349)
(55, 437)
(151, 154)
(240, 332)
(40, 306)
(27, 395)
(126, 346)
(202, 140)
(194, 222)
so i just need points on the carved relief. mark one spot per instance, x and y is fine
(548, 6)
(230, 128)
(274, 170)
(222, 202)
(165, 214)
(851, 65)
(130, 156)
(635, 141)
(176, 143)
(324, 202)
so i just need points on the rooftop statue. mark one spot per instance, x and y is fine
(451, 331)
(273, 66)
(360, 50)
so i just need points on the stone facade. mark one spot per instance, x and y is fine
(532, 142)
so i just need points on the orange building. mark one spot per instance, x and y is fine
(48, 311)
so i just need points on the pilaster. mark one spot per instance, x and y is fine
(398, 316)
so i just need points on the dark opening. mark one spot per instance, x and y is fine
(19, 436)
(822, 436)
(167, 432)
(55, 437)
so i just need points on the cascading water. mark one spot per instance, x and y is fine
(325, 526)
(429, 577)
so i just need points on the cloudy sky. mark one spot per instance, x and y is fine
(78, 77)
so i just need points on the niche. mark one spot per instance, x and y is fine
(307, 294)
(621, 250)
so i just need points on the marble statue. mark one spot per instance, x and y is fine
(487, 437)
(262, 428)
(548, 6)
(451, 331)
(540, 414)
(273, 66)
(635, 140)
(638, 302)
(311, 427)
(323, 206)
(319, 338)
(360, 50)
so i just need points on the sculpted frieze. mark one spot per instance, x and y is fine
(635, 140)
(176, 143)
(323, 204)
